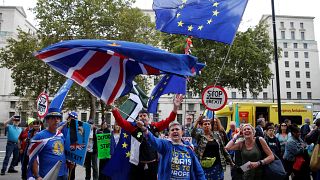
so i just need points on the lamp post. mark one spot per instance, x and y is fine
(276, 61)
(272, 77)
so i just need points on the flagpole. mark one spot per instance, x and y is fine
(224, 62)
(276, 61)
(124, 112)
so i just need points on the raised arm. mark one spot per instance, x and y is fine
(194, 132)
(232, 144)
(122, 122)
(162, 125)
(8, 121)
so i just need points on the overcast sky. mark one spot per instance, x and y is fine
(252, 15)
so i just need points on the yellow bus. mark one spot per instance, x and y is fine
(249, 112)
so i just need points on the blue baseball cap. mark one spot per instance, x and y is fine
(73, 114)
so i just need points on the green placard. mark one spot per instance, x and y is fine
(103, 143)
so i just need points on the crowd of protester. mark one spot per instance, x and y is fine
(246, 149)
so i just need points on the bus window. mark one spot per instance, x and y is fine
(224, 122)
(294, 119)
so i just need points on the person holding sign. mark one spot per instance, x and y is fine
(103, 144)
(184, 163)
(147, 164)
(211, 152)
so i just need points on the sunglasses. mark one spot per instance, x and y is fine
(36, 123)
(143, 115)
(283, 125)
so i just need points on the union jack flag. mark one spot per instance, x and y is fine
(105, 75)
(107, 68)
(35, 148)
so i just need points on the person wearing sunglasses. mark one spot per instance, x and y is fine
(144, 158)
(283, 137)
(13, 132)
(177, 161)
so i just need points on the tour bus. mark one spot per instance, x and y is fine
(249, 112)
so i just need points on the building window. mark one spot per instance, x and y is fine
(298, 95)
(288, 95)
(302, 36)
(11, 114)
(179, 118)
(286, 63)
(12, 104)
(295, 45)
(233, 95)
(282, 24)
(180, 107)
(155, 117)
(191, 107)
(297, 74)
(309, 85)
(307, 65)
(287, 74)
(288, 84)
(309, 95)
(108, 118)
(293, 36)
(301, 25)
(285, 45)
(84, 117)
(283, 35)
(296, 55)
(244, 95)
(265, 95)
(265, 86)
(254, 96)
(291, 24)
(306, 54)
(296, 64)
(305, 45)
(307, 74)
(189, 95)
(298, 83)
(285, 53)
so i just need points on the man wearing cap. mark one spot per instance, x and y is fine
(146, 165)
(48, 146)
(13, 132)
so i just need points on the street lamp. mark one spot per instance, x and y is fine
(272, 77)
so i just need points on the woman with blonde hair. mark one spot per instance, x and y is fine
(251, 153)
(210, 150)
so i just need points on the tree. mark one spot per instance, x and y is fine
(247, 66)
(72, 19)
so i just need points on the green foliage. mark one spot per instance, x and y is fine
(72, 19)
(247, 66)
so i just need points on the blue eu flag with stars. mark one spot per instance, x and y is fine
(168, 84)
(216, 20)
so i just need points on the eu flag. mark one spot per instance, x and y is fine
(216, 20)
(168, 84)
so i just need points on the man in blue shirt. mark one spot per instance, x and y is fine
(13, 132)
(52, 150)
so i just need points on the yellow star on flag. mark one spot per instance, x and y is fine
(180, 23)
(181, 6)
(184, 1)
(179, 14)
(200, 28)
(215, 4)
(209, 21)
(124, 145)
(190, 28)
(128, 154)
(215, 13)
(125, 135)
(114, 44)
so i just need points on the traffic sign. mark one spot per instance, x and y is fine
(214, 98)
(42, 105)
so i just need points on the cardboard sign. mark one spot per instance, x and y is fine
(42, 105)
(76, 144)
(103, 143)
(214, 98)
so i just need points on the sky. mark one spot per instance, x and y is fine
(255, 9)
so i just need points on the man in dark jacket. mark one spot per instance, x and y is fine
(305, 129)
(259, 129)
